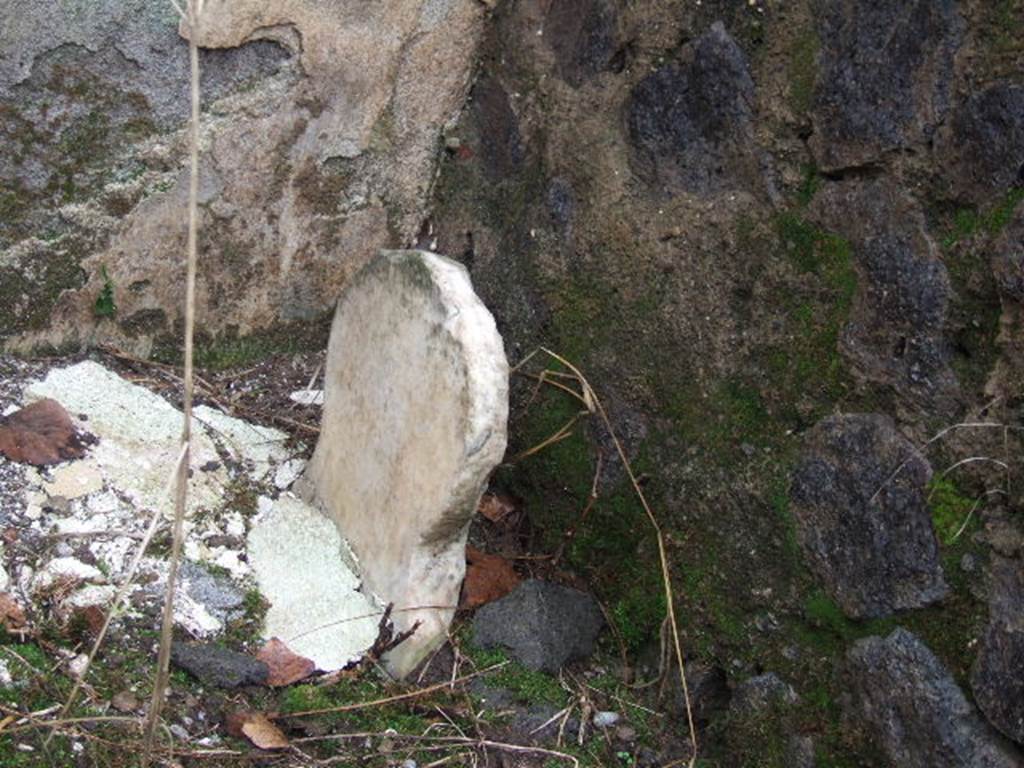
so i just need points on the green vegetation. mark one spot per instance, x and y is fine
(950, 508)
(803, 70)
(104, 305)
(968, 222)
(231, 350)
(975, 311)
(526, 685)
(305, 698)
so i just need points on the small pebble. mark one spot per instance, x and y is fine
(605, 719)
(125, 701)
(625, 733)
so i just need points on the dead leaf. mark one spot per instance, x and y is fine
(285, 667)
(488, 578)
(41, 433)
(497, 507)
(11, 614)
(257, 728)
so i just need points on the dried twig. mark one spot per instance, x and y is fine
(418, 693)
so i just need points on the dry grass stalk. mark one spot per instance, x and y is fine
(192, 14)
(122, 593)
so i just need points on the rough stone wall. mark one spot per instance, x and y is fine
(320, 138)
(742, 219)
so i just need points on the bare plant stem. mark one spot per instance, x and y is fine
(192, 14)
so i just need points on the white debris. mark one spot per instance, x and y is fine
(64, 571)
(194, 616)
(231, 561)
(78, 665)
(606, 719)
(79, 478)
(261, 445)
(299, 561)
(6, 679)
(234, 524)
(288, 472)
(90, 595)
(5, 580)
(307, 397)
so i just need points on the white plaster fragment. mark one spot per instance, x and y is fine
(307, 397)
(316, 607)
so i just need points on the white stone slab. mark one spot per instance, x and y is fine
(415, 416)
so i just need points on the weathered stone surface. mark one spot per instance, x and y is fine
(896, 332)
(914, 711)
(984, 144)
(543, 625)
(690, 122)
(415, 412)
(885, 76)
(318, 149)
(584, 37)
(997, 679)
(761, 692)
(864, 527)
(217, 666)
(1008, 259)
(500, 144)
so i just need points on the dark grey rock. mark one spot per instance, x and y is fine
(896, 330)
(542, 625)
(1008, 259)
(864, 527)
(984, 146)
(910, 705)
(217, 593)
(761, 692)
(218, 667)
(583, 34)
(690, 122)
(885, 71)
(997, 678)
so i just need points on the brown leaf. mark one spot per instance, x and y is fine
(488, 578)
(11, 615)
(497, 507)
(41, 433)
(285, 667)
(257, 728)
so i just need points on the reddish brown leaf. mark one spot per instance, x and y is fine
(257, 728)
(488, 577)
(41, 433)
(12, 617)
(285, 667)
(497, 507)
